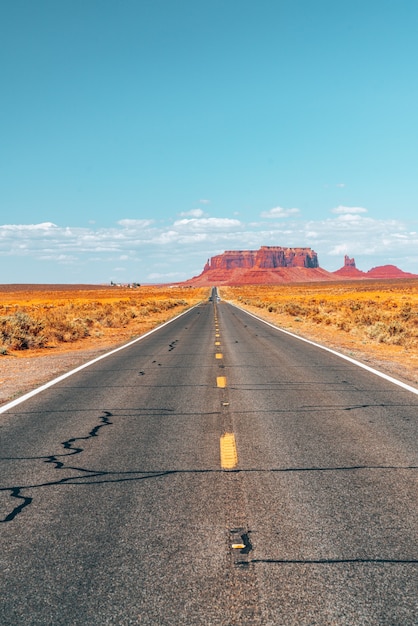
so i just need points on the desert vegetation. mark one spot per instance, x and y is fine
(35, 318)
(376, 317)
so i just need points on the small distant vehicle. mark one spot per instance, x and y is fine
(214, 296)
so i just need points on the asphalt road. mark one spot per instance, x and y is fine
(215, 472)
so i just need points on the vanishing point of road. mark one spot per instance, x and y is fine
(217, 471)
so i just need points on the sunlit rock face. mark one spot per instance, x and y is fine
(267, 257)
(269, 264)
(277, 264)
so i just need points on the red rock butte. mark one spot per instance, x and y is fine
(277, 264)
(267, 257)
(350, 271)
(269, 264)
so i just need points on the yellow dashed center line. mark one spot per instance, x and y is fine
(219, 355)
(228, 448)
(221, 381)
(217, 343)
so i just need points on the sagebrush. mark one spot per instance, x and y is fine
(46, 320)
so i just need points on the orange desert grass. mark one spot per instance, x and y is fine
(376, 320)
(37, 318)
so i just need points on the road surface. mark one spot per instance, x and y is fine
(217, 471)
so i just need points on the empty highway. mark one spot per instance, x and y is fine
(216, 472)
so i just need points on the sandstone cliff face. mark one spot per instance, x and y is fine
(349, 262)
(349, 269)
(231, 260)
(267, 257)
(275, 264)
(269, 264)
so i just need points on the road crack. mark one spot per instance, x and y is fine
(72, 449)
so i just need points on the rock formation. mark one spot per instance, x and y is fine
(349, 262)
(277, 264)
(269, 264)
(350, 271)
(267, 257)
(388, 271)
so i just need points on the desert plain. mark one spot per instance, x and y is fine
(375, 322)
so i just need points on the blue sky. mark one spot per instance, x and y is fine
(139, 138)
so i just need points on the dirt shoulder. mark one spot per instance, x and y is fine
(19, 375)
(398, 363)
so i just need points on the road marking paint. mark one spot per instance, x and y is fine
(228, 448)
(54, 381)
(217, 335)
(221, 381)
(238, 546)
(219, 355)
(217, 343)
(390, 379)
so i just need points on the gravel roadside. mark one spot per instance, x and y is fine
(19, 375)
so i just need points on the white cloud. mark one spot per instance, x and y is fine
(24, 228)
(207, 223)
(179, 246)
(59, 258)
(192, 213)
(339, 250)
(348, 210)
(128, 223)
(279, 212)
(164, 277)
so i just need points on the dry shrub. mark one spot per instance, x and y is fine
(51, 318)
(20, 331)
(384, 312)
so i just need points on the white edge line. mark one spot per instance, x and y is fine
(395, 381)
(34, 392)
